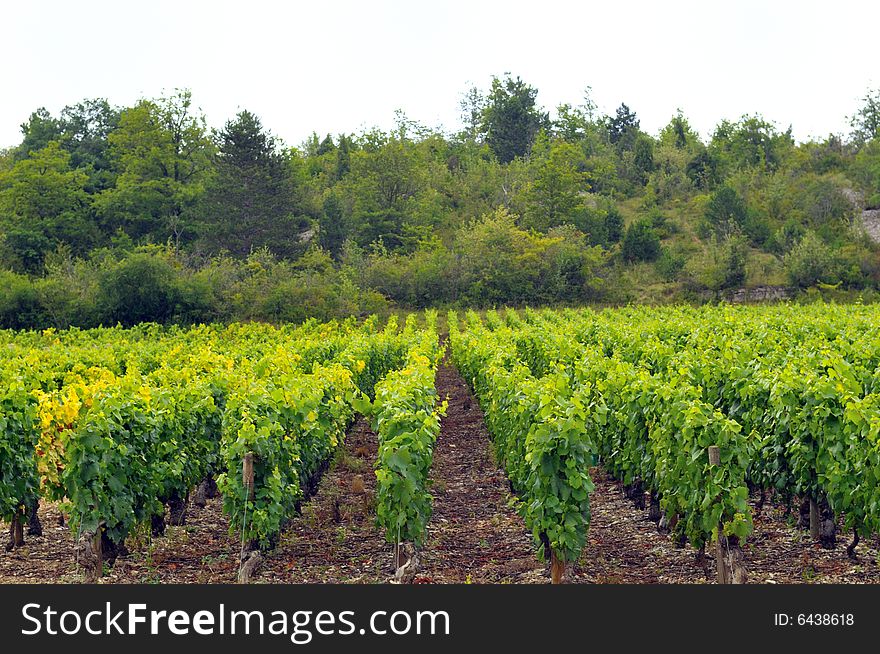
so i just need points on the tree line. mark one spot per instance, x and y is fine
(124, 214)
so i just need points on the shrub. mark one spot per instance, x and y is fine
(20, 306)
(641, 243)
(143, 287)
(613, 225)
(670, 264)
(722, 266)
(809, 262)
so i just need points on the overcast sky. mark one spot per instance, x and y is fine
(340, 66)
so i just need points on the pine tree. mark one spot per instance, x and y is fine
(332, 226)
(623, 127)
(343, 157)
(250, 203)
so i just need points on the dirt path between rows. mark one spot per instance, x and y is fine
(335, 539)
(474, 534)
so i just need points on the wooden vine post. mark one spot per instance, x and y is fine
(247, 474)
(250, 556)
(16, 532)
(720, 558)
(728, 555)
(90, 555)
(557, 568)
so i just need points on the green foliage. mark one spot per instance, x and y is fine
(406, 417)
(613, 223)
(249, 202)
(162, 153)
(554, 193)
(133, 450)
(670, 264)
(810, 262)
(43, 202)
(866, 121)
(721, 266)
(500, 263)
(19, 483)
(540, 433)
(726, 212)
(92, 184)
(333, 229)
(623, 127)
(752, 142)
(640, 243)
(643, 157)
(20, 305)
(866, 170)
(291, 423)
(511, 118)
(139, 288)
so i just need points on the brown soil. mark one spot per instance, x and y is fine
(335, 539)
(475, 534)
(201, 551)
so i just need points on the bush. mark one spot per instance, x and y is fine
(143, 287)
(809, 262)
(787, 236)
(722, 266)
(733, 262)
(20, 306)
(641, 243)
(613, 225)
(670, 264)
(319, 295)
(726, 212)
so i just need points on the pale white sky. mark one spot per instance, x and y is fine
(338, 66)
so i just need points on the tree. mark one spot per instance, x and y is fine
(386, 179)
(640, 242)
(613, 224)
(643, 157)
(250, 202)
(809, 262)
(40, 128)
(722, 265)
(554, 193)
(332, 226)
(734, 255)
(82, 130)
(326, 146)
(472, 105)
(866, 122)
(866, 170)
(162, 153)
(726, 212)
(752, 142)
(43, 202)
(701, 170)
(623, 127)
(86, 128)
(679, 134)
(512, 119)
(343, 157)
(140, 288)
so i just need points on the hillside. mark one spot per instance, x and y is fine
(124, 214)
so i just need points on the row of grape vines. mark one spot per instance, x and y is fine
(788, 397)
(115, 424)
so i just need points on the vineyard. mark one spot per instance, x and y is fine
(690, 438)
